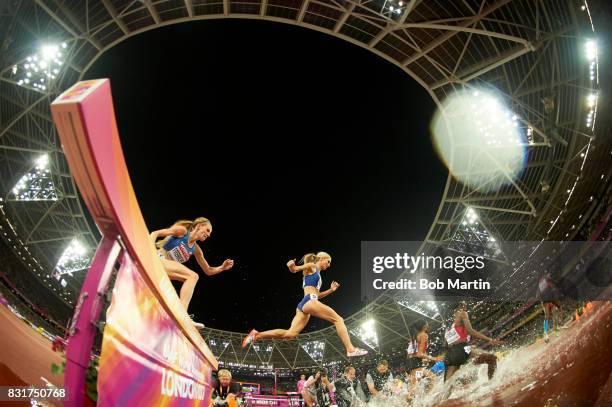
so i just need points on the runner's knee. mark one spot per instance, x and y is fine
(337, 319)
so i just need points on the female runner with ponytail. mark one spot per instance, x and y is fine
(178, 245)
(311, 268)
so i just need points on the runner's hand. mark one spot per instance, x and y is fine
(291, 264)
(495, 342)
(227, 264)
(334, 285)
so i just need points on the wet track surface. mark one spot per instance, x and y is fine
(573, 369)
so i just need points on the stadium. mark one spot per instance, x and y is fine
(533, 201)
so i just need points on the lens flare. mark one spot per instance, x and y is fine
(480, 140)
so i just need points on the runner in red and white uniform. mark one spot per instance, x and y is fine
(459, 349)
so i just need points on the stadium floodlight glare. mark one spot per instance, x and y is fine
(530, 135)
(40, 70)
(37, 184)
(471, 237)
(471, 216)
(389, 8)
(42, 162)
(591, 50)
(75, 258)
(591, 54)
(48, 52)
(480, 139)
(428, 309)
(366, 332)
(217, 346)
(368, 326)
(431, 305)
(315, 349)
(592, 105)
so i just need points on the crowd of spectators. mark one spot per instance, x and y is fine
(30, 311)
(27, 294)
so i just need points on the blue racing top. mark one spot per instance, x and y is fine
(178, 248)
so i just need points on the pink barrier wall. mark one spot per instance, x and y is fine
(85, 120)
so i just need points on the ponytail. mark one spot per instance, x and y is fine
(187, 224)
(308, 258)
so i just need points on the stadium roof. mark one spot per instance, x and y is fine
(540, 56)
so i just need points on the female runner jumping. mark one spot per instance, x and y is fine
(313, 265)
(178, 245)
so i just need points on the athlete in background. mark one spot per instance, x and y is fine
(550, 315)
(459, 350)
(418, 357)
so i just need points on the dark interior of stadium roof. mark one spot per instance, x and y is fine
(304, 125)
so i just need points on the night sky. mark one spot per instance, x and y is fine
(289, 140)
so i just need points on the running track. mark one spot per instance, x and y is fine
(573, 370)
(25, 355)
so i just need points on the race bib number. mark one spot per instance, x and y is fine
(411, 349)
(467, 349)
(451, 336)
(179, 254)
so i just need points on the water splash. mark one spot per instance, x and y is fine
(526, 368)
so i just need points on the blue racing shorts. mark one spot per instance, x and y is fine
(306, 298)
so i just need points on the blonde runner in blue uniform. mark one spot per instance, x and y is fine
(311, 268)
